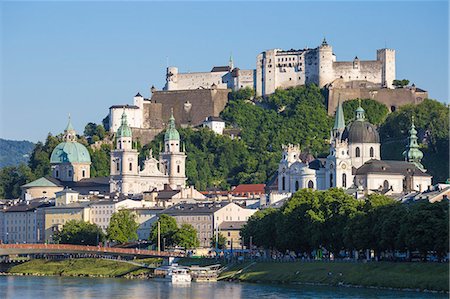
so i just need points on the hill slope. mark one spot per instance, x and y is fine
(13, 152)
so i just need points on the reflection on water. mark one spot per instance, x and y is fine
(80, 288)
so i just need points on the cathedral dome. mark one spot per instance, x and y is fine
(70, 152)
(361, 131)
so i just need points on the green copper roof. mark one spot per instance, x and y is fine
(339, 121)
(360, 113)
(70, 152)
(171, 132)
(41, 182)
(69, 125)
(413, 153)
(124, 130)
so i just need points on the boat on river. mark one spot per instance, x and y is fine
(173, 273)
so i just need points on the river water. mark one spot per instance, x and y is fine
(81, 288)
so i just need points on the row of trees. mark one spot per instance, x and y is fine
(123, 229)
(336, 221)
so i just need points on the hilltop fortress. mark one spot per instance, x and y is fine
(278, 68)
(198, 95)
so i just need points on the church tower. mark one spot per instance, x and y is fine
(172, 160)
(412, 153)
(338, 172)
(124, 162)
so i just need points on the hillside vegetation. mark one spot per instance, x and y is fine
(13, 153)
(297, 115)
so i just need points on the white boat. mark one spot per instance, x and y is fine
(173, 273)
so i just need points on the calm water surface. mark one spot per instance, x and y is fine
(80, 288)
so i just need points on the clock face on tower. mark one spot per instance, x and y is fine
(344, 166)
(178, 162)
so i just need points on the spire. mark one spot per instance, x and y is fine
(412, 153)
(124, 130)
(339, 121)
(69, 125)
(324, 42)
(231, 62)
(69, 132)
(360, 116)
(171, 132)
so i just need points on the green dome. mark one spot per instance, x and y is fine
(171, 132)
(124, 130)
(70, 152)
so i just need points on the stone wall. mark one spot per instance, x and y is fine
(392, 98)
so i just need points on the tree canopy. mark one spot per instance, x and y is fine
(79, 233)
(168, 229)
(336, 221)
(123, 227)
(375, 112)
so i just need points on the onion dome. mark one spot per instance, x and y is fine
(70, 151)
(124, 130)
(361, 131)
(413, 153)
(171, 132)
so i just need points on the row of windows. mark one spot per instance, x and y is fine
(19, 229)
(69, 173)
(358, 152)
(297, 184)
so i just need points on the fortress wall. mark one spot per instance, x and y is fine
(196, 80)
(392, 98)
(358, 70)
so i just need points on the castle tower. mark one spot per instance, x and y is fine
(338, 172)
(412, 153)
(70, 160)
(325, 66)
(124, 162)
(172, 160)
(171, 78)
(387, 58)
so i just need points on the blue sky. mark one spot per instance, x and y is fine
(82, 57)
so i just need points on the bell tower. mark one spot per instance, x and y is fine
(172, 160)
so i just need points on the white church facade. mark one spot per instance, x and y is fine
(354, 163)
(126, 177)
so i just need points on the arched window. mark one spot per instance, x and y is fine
(283, 183)
(371, 152)
(178, 168)
(357, 152)
(344, 180)
(311, 185)
(117, 166)
(57, 174)
(131, 166)
(385, 185)
(331, 180)
(83, 173)
(296, 186)
(70, 173)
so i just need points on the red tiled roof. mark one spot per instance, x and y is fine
(249, 188)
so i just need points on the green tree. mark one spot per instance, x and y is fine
(80, 233)
(12, 177)
(431, 119)
(400, 83)
(168, 229)
(186, 237)
(100, 158)
(122, 227)
(219, 241)
(375, 112)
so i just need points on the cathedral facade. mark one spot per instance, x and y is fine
(354, 162)
(126, 177)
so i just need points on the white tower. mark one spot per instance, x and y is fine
(172, 161)
(124, 162)
(291, 154)
(338, 172)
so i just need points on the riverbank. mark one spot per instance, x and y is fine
(406, 276)
(86, 267)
